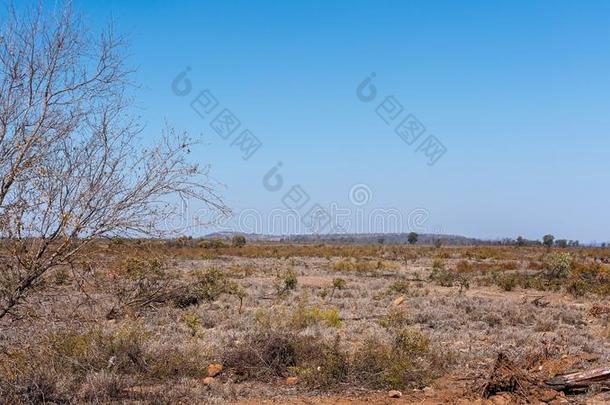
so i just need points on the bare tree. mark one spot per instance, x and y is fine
(72, 165)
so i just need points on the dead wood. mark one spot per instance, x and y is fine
(581, 380)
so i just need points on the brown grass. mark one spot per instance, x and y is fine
(142, 321)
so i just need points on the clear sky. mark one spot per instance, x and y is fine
(517, 91)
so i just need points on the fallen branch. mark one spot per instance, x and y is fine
(581, 380)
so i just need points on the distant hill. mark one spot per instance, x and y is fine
(357, 238)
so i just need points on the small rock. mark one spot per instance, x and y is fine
(395, 394)
(291, 380)
(208, 380)
(399, 300)
(214, 369)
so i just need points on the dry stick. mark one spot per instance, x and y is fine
(581, 380)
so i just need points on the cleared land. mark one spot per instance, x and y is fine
(185, 321)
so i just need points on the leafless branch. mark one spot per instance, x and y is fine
(73, 167)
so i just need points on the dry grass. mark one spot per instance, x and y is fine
(142, 321)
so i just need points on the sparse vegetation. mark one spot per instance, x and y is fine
(286, 282)
(111, 293)
(279, 311)
(338, 284)
(238, 241)
(559, 265)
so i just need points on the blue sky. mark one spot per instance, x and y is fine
(518, 92)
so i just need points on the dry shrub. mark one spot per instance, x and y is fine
(486, 252)
(399, 287)
(562, 272)
(208, 285)
(63, 364)
(264, 354)
(96, 348)
(102, 386)
(282, 250)
(214, 243)
(326, 366)
(139, 283)
(205, 286)
(94, 364)
(444, 278)
(285, 343)
(440, 275)
(180, 242)
(176, 359)
(577, 287)
(396, 317)
(447, 278)
(507, 282)
(359, 266)
(33, 385)
(338, 284)
(588, 278)
(407, 361)
(304, 315)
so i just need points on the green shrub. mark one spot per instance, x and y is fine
(440, 275)
(400, 287)
(61, 276)
(338, 284)
(238, 241)
(396, 317)
(507, 282)
(286, 282)
(407, 362)
(578, 287)
(138, 284)
(214, 243)
(209, 285)
(558, 265)
(359, 266)
(328, 370)
(305, 315)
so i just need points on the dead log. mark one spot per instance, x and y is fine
(581, 380)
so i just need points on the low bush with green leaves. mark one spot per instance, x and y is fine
(286, 282)
(558, 265)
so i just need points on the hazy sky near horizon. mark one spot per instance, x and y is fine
(518, 92)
